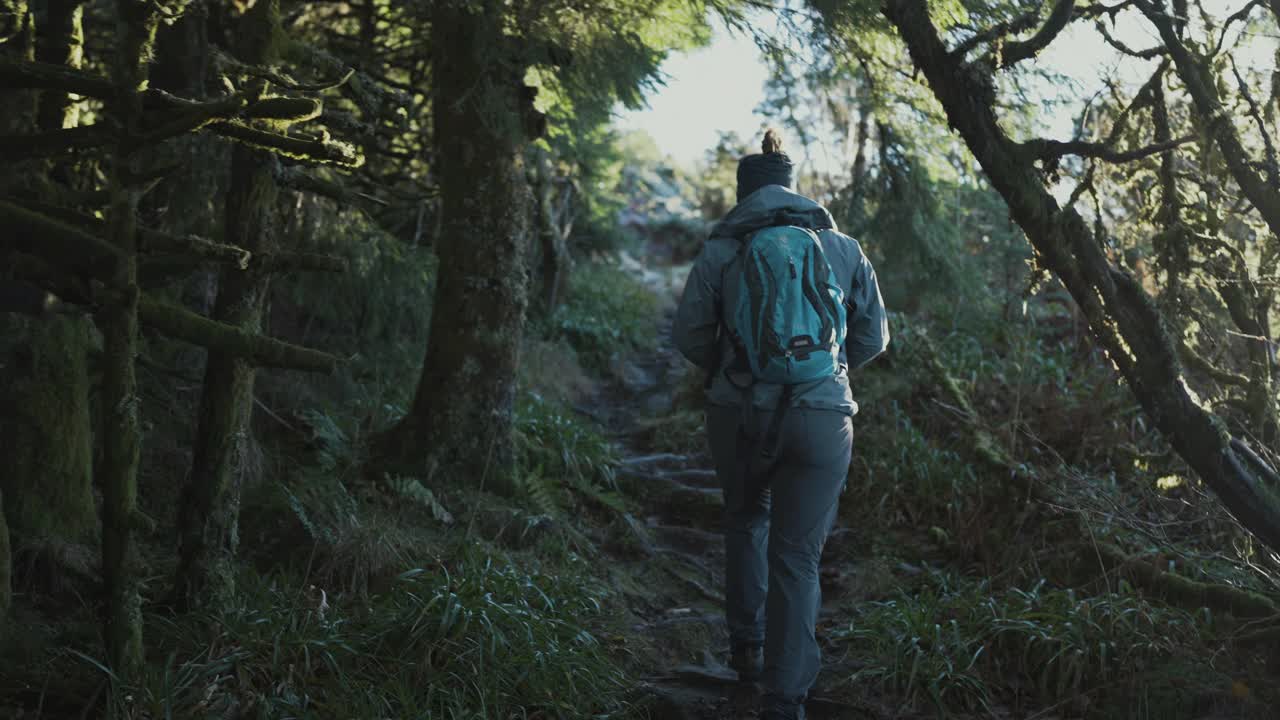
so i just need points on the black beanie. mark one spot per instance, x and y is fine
(756, 171)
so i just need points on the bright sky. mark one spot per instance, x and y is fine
(719, 87)
(712, 89)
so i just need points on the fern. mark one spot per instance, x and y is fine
(304, 518)
(333, 445)
(543, 494)
(412, 489)
(560, 452)
(324, 507)
(609, 498)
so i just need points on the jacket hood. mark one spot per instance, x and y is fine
(767, 206)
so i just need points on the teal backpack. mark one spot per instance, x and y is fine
(786, 327)
(788, 323)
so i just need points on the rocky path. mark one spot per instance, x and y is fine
(675, 543)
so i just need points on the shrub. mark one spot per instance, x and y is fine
(607, 310)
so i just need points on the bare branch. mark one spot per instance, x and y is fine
(1019, 50)
(1052, 150)
(1238, 16)
(1272, 165)
(1202, 87)
(1000, 30)
(1148, 54)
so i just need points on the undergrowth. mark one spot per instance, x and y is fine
(961, 645)
(480, 636)
(606, 311)
(561, 454)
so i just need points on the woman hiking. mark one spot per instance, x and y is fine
(778, 308)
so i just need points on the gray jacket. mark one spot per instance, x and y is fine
(697, 325)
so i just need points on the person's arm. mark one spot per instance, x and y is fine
(697, 321)
(868, 334)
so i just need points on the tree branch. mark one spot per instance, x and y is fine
(148, 240)
(32, 75)
(1053, 150)
(1201, 363)
(1121, 315)
(1255, 113)
(997, 31)
(50, 143)
(1203, 89)
(59, 243)
(257, 349)
(1019, 50)
(1148, 54)
(302, 149)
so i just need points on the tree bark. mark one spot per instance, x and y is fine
(553, 240)
(1120, 313)
(49, 478)
(188, 204)
(209, 516)
(6, 568)
(121, 432)
(460, 423)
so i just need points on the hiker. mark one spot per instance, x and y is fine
(778, 308)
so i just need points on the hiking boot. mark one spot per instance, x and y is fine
(748, 662)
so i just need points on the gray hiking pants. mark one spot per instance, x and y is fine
(774, 543)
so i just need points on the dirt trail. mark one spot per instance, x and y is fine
(676, 540)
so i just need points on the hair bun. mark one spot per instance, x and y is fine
(772, 142)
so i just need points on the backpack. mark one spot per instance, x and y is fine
(788, 322)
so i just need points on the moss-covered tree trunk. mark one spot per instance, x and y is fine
(6, 583)
(49, 477)
(118, 320)
(460, 423)
(211, 500)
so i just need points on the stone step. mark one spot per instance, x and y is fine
(696, 477)
(688, 539)
(652, 460)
